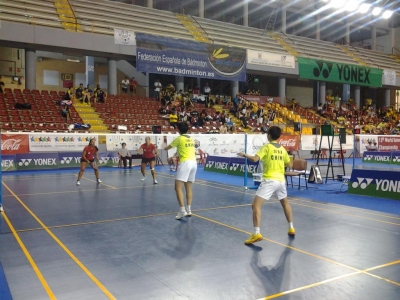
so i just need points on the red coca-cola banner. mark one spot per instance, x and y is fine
(14, 143)
(290, 142)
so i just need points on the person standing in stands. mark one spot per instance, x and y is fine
(187, 168)
(89, 156)
(157, 89)
(149, 152)
(274, 159)
(132, 85)
(124, 85)
(207, 91)
(79, 92)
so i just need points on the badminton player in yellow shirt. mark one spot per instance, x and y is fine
(274, 159)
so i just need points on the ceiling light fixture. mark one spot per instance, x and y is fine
(376, 11)
(387, 14)
(364, 8)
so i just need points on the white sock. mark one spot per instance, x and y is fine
(183, 209)
(256, 230)
(291, 225)
(188, 208)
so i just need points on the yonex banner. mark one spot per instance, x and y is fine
(164, 55)
(8, 163)
(377, 157)
(395, 158)
(339, 72)
(69, 159)
(229, 165)
(37, 161)
(375, 183)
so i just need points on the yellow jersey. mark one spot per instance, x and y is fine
(184, 145)
(273, 157)
(173, 118)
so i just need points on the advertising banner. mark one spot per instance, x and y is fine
(217, 164)
(108, 159)
(270, 59)
(339, 72)
(49, 142)
(36, 161)
(375, 183)
(69, 159)
(395, 160)
(164, 55)
(8, 163)
(133, 141)
(377, 157)
(14, 143)
(230, 165)
(378, 143)
(311, 142)
(389, 77)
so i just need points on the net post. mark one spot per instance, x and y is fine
(354, 151)
(245, 162)
(1, 179)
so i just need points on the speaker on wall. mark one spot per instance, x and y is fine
(342, 135)
(297, 126)
(157, 129)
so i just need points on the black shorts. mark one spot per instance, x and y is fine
(84, 160)
(147, 160)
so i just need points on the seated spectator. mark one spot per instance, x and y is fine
(223, 129)
(222, 117)
(2, 88)
(124, 85)
(173, 162)
(200, 121)
(225, 100)
(87, 94)
(196, 92)
(125, 155)
(65, 112)
(173, 118)
(79, 92)
(1, 81)
(170, 88)
(69, 95)
(100, 94)
(232, 129)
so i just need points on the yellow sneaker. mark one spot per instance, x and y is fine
(291, 232)
(253, 238)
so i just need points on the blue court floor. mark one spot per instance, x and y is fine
(120, 240)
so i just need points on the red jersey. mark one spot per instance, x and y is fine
(90, 152)
(148, 151)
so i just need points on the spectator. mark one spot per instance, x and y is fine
(225, 100)
(196, 92)
(65, 112)
(157, 89)
(87, 94)
(1, 81)
(100, 94)
(173, 118)
(173, 162)
(207, 91)
(125, 155)
(132, 85)
(170, 88)
(2, 88)
(223, 129)
(124, 85)
(79, 92)
(69, 95)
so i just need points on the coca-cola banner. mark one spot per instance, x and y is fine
(312, 142)
(53, 142)
(8, 163)
(14, 143)
(256, 141)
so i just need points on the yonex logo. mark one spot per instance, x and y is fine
(209, 164)
(396, 159)
(103, 160)
(234, 167)
(66, 160)
(324, 68)
(368, 157)
(363, 183)
(24, 162)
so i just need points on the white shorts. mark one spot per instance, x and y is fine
(186, 171)
(269, 187)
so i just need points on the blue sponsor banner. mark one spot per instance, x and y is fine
(37, 161)
(69, 159)
(230, 165)
(164, 55)
(395, 158)
(217, 164)
(8, 163)
(375, 183)
(377, 157)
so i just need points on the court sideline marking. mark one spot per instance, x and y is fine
(302, 251)
(29, 257)
(74, 258)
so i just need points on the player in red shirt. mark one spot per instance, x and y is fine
(88, 157)
(149, 152)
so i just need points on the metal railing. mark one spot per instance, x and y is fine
(361, 55)
(294, 43)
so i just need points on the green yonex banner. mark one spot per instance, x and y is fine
(339, 72)
(229, 165)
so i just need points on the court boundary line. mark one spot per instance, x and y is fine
(65, 248)
(304, 252)
(29, 258)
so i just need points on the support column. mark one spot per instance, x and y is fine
(317, 28)
(282, 89)
(245, 13)
(373, 38)
(234, 88)
(198, 83)
(322, 92)
(150, 3)
(30, 69)
(283, 21)
(148, 85)
(90, 71)
(112, 76)
(357, 95)
(387, 97)
(179, 83)
(346, 93)
(347, 37)
(201, 8)
(392, 39)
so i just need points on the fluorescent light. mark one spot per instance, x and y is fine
(338, 3)
(364, 8)
(73, 60)
(376, 11)
(325, 1)
(352, 5)
(387, 14)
